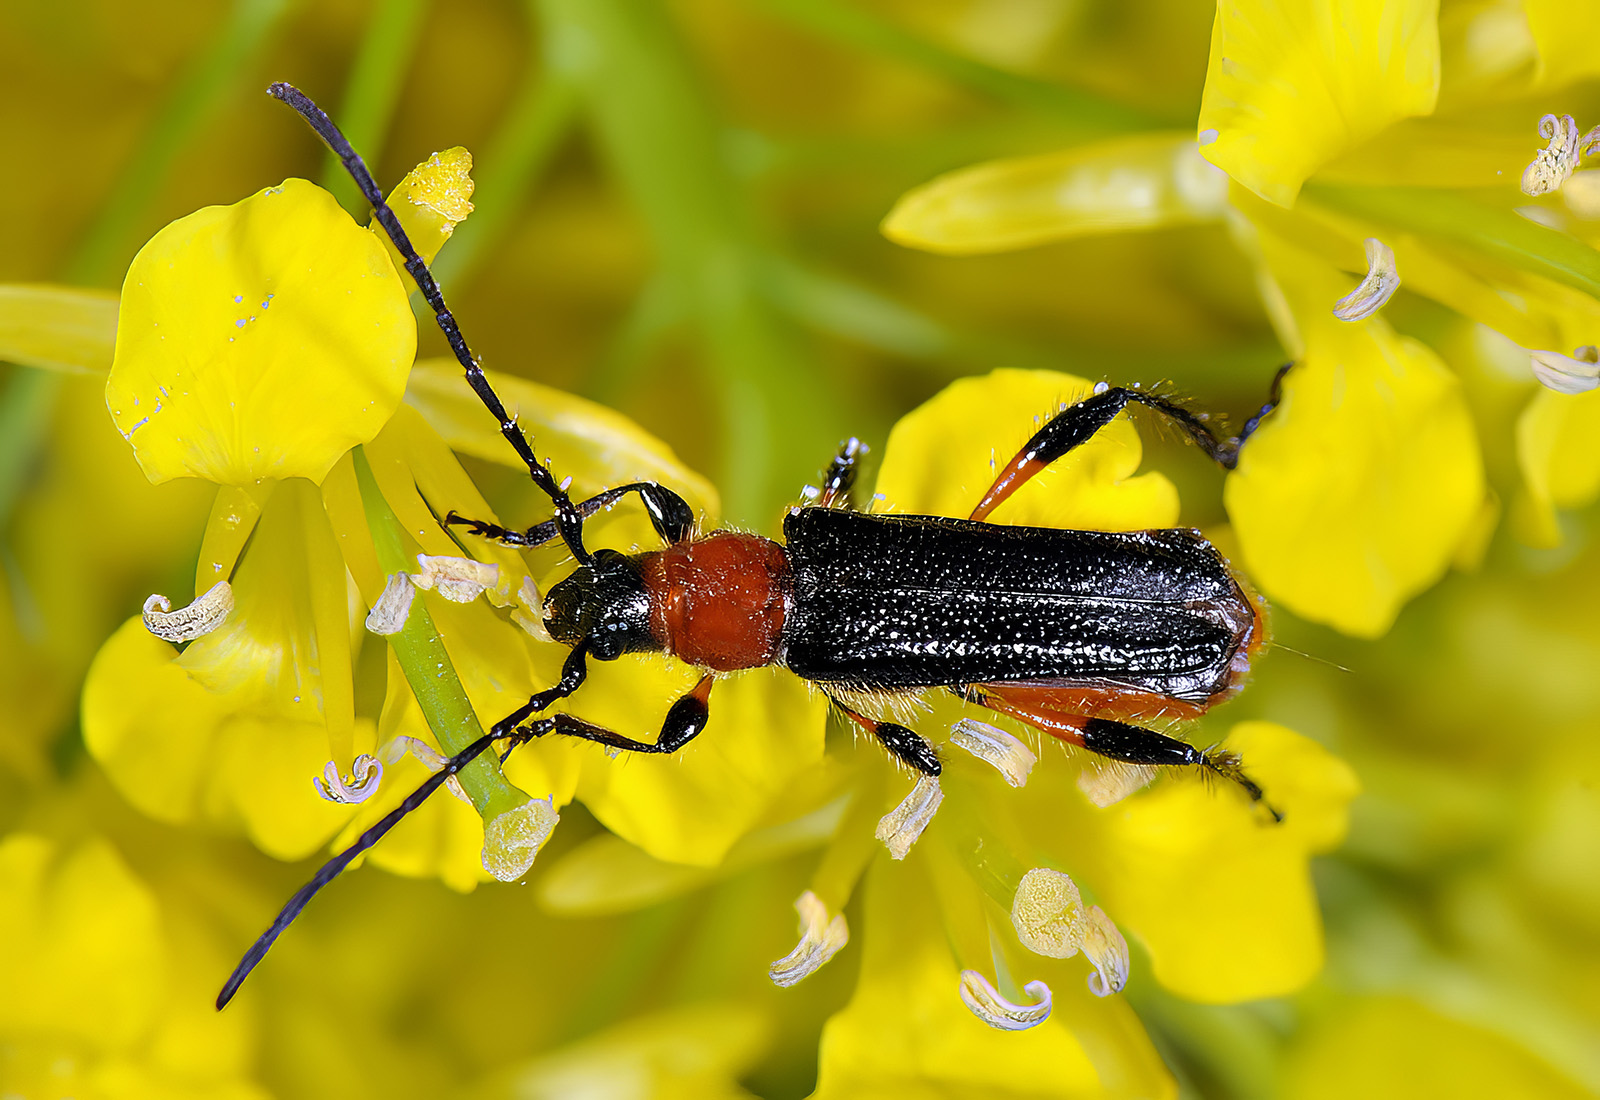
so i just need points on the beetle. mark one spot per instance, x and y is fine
(1079, 634)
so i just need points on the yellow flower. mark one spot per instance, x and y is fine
(1337, 125)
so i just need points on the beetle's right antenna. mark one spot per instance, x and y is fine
(569, 521)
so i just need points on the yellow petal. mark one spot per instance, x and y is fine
(1141, 182)
(1556, 436)
(1392, 1048)
(595, 446)
(766, 729)
(1219, 894)
(906, 1031)
(1355, 494)
(57, 327)
(1564, 34)
(1294, 83)
(430, 202)
(941, 458)
(262, 339)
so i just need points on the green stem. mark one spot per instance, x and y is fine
(373, 89)
(1456, 217)
(427, 666)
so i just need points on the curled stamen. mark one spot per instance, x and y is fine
(188, 623)
(1105, 783)
(1555, 163)
(1104, 946)
(527, 613)
(459, 580)
(987, 1004)
(1575, 373)
(1047, 911)
(365, 775)
(512, 840)
(431, 758)
(901, 826)
(820, 940)
(1374, 291)
(993, 745)
(389, 614)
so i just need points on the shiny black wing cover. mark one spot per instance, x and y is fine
(898, 601)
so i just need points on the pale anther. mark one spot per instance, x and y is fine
(901, 826)
(993, 745)
(1105, 783)
(365, 775)
(431, 758)
(513, 839)
(459, 580)
(388, 616)
(1104, 946)
(1575, 373)
(188, 623)
(820, 940)
(1555, 163)
(1375, 290)
(1048, 913)
(528, 614)
(987, 1004)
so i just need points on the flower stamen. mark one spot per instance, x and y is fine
(901, 826)
(993, 745)
(527, 612)
(186, 624)
(459, 580)
(1104, 946)
(987, 1004)
(1555, 163)
(1575, 373)
(1105, 783)
(431, 758)
(388, 616)
(365, 776)
(1374, 291)
(1048, 913)
(820, 940)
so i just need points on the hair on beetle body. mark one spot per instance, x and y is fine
(1081, 635)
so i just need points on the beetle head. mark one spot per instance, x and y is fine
(605, 603)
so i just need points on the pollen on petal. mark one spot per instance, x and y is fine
(188, 623)
(513, 839)
(901, 826)
(1376, 289)
(1105, 783)
(527, 612)
(365, 776)
(1048, 913)
(459, 580)
(993, 745)
(389, 614)
(1575, 373)
(987, 1004)
(1104, 946)
(431, 758)
(820, 940)
(1556, 162)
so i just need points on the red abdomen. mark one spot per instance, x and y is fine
(719, 602)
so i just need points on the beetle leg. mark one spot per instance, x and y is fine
(670, 515)
(1130, 744)
(1078, 423)
(686, 718)
(907, 744)
(840, 476)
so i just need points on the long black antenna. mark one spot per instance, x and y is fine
(330, 870)
(569, 521)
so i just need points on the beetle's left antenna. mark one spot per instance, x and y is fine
(569, 521)
(330, 870)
